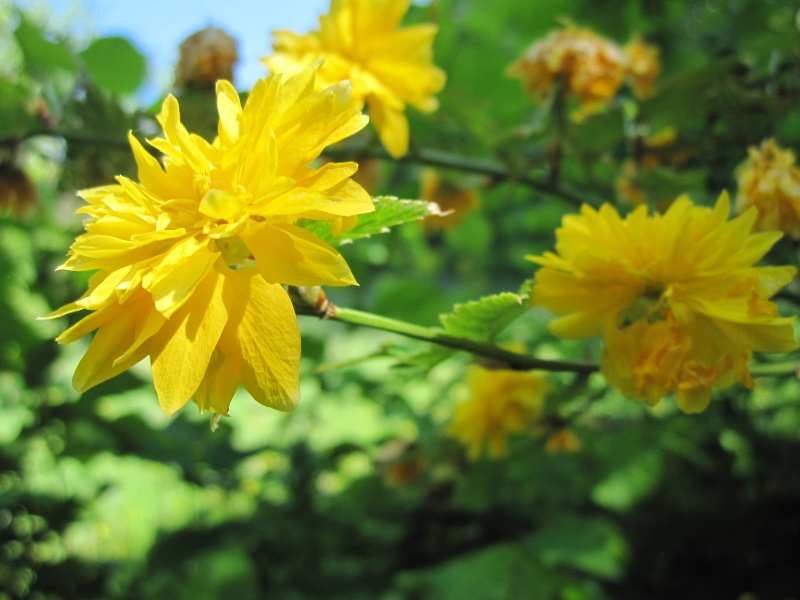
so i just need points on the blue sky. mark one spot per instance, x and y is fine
(157, 27)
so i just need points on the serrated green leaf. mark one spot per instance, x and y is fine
(389, 212)
(483, 319)
(114, 65)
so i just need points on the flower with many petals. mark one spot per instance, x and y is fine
(769, 180)
(584, 63)
(676, 297)
(501, 403)
(388, 66)
(190, 260)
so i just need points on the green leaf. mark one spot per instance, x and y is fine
(483, 319)
(493, 573)
(389, 212)
(113, 64)
(40, 54)
(591, 545)
(15, 118)
(630, 483)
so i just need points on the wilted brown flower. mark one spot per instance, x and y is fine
(206, 56)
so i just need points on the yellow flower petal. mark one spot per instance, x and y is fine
(262, 333)
(289, 254)
(181, 350)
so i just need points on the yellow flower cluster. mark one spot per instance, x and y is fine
(676, 297)
(769, 180)
(587, 65)
(388, 66)
(501, 403)
(190, 259)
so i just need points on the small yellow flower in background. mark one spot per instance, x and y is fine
(388, 66)
(676, 297)
(563, 440)
(205, 57)
(501, 403)
(643, 66)
(452, 199)
(769, 180)
(191, 259)
(589, 66)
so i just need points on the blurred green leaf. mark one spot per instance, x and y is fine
(629, 483)
(115, 65)
(495, 573)
(16, 116)
(591, 545)
(41, 55)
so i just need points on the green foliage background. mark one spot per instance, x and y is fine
(101, 496)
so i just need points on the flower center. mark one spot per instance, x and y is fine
(651, 305)
(220, 205)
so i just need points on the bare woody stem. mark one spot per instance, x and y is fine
(438, 158)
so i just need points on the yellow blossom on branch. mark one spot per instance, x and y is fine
(205, 57)
(501, 402)
(191, 259)
(586, 64)
(769, 180)
(643, 66)
(675, 297)
(388, 66)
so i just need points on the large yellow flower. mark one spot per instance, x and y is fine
(501, 403)
(769, 180)
(389, 67)
(190, 259)
(675, 296)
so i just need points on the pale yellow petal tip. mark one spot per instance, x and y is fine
(286, 403)
(693, 401)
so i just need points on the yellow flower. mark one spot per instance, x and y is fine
(563, 440)
(190, 259)
(769, 180)
(389, 67)
(586, 64)
(454, 200)
(643, 66)
(501, 403)
(675, 296)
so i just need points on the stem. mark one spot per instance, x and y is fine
(438, 158)
(514, 360)
(521, 362)
(784, 368)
